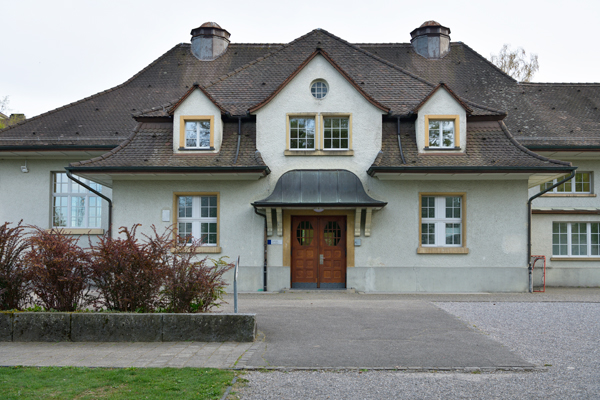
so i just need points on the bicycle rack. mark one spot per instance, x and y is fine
(535, 259)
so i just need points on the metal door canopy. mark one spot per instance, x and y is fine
(306, 188)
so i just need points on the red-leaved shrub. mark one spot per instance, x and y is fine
(58, 270)
(127, 274)
(14, 285)
(193, 286)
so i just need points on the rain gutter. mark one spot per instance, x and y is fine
(265, 249)
(529, 264)
(400, 144)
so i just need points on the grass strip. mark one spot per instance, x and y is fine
(113, 383)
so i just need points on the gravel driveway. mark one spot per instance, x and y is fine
(563, 336)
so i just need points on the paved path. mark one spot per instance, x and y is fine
(319, 329)
(122, 355)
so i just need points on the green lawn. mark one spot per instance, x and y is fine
(108, 383)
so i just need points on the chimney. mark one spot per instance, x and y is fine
(431, 40)
(209, 41)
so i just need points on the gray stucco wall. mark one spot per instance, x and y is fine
(573, 272)
(386, 261)
(28, 196)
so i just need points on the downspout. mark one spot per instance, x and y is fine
(529, 265)
(71, 177)
(237, 150)
(265, 250)
(400, 144)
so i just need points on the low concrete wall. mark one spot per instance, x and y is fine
(125, 327)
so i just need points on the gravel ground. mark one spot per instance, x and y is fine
(563, 336)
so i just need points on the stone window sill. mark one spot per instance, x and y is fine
(442, 250)
(78, 231)
(574, 258)
(569, 195)
(318, 152)
(200, 250)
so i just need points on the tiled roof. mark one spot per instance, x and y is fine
(489, 146)
(151, 147)
(540, 115)
(388, 84)
(106, 118)
(392, 75)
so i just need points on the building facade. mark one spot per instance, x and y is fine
(325, 164)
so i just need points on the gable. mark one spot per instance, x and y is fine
(441, 105)
(197, 107)
(295, 100)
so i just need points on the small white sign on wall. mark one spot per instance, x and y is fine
(275, 241)
(166, 215)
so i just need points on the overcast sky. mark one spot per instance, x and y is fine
(57, 52)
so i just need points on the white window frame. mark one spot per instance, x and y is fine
(184, 120)
(573, 183)
(455, 136)
(319, 89)
(291, 134)
(197, 221)
(589, 240)
(440, 221)
(331, 129)
(74, 190)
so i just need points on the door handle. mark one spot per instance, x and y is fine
(321, 259)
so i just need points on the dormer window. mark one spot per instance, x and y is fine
(197, 133)
(442, 132)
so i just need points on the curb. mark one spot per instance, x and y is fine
(469, 370)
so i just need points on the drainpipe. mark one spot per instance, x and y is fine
(529, 265)
(265, 250)
(71, 177)
(237, 151)
(400, 144)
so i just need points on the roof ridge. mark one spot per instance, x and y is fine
(94, 95)
(383, 61)
(526, 150)
(110, 153)
(259, 59)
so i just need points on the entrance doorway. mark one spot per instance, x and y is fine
(318, 252)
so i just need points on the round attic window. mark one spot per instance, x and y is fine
(319, 89)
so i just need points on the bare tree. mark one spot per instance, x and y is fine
(4, 105)
(516, 64)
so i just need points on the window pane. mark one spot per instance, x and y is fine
(77, 212)
(448, 133)
(204, 134)
(190, 134)
(579, 239)
(595, 239)
(185, 207)
(184, 233)
(59, 217)
(427, 234)
(434, 133)
(428, 207)
(453, 207)
(453, 234)
(559, 239)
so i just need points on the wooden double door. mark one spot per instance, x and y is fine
(319, 252)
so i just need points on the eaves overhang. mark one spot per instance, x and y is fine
(373, 171)
(168, 170)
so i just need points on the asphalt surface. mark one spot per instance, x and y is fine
(370, 333)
